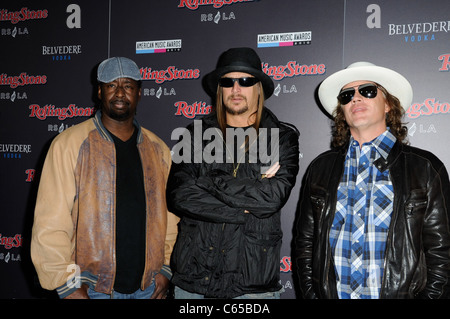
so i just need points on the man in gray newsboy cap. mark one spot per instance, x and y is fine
(101, 227)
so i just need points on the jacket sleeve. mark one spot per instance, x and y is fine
(186, 198)
(52, 242)
(171, 236)
(172, 222)
(303, 242)
(262, 197)
(436, 238)
(223, 198)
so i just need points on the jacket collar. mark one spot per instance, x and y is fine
(381, 163)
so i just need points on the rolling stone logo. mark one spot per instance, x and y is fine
(293, 69)
(285, 264)
(217, 4)
(23, 15)
(22, 79)
(170, 74)
(192, 110)
(11, 242)
(445, 58)
(61, 113)
(429, 107)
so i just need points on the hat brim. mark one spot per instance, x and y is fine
(393, 82)
(211, 80)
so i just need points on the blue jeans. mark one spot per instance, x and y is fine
(138, 294)
(183, 294)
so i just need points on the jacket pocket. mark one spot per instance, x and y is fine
(318, 197)
(182, 255)
(261, 259)
(416, 204)
(414, 209)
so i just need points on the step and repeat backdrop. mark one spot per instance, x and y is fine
(50, 51)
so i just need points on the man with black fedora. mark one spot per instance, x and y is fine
(229, 239)
(374, 211)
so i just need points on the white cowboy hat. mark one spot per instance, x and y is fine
(395, 83)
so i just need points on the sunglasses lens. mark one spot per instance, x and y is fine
(346, 96)
(244, 82)
(226, 82)
(367, 90)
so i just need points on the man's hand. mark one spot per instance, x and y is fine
(80, 293)
(272, 170)
(269, 174)
(161, 287)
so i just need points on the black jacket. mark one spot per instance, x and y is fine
(417, 259)
(222, 252)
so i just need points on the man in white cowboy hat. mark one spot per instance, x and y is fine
(373, 215)
(229, 239)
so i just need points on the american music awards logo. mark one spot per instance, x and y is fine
(284, 39)
(160, 46)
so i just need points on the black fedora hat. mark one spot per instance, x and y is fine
(238, 60)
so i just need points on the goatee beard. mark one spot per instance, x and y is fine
(240, 111)
(119, 116)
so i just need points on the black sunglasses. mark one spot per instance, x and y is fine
(368, 90)
(244, 82)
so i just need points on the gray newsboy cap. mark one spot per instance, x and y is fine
(118, 67)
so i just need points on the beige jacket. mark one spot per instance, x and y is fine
(73, 238)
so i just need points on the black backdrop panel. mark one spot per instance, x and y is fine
(50, 50)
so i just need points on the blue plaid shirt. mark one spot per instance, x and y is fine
(363, 213)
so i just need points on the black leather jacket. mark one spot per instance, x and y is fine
(417, 259)
(222, 252)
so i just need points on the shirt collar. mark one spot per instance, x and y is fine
(382, 143)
